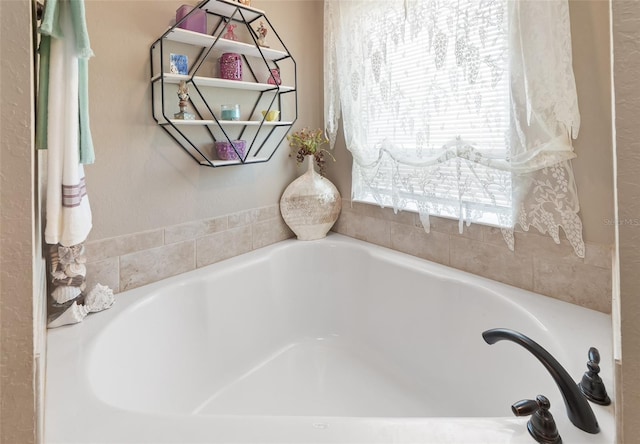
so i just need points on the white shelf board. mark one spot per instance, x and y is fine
(256, 159)
(221, 83)
(235, 162)
(227, 8)
(229, 122)
(224, 45)
(221, 162)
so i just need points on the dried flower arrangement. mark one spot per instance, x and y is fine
(308, 143)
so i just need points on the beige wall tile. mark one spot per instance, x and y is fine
(536, 244)
(118, 246)
(240, 219)
(373, 210)
(266, 213)
(539, 245)
(452, 227)
(493, 235)
(105, 272)
(370, 229)
(433, 246)
(194, 230)
(254, 215)
(220, 246)
(269, 232)
(355, 222)
(144, 267)
(491, 261)
(345, 222)
(598, 255)
(574, 282)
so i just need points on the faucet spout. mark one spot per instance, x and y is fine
(578, 409)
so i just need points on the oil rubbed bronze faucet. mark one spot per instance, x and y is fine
(578, 409)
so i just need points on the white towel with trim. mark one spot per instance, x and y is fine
(68, 210)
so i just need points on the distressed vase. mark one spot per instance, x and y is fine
(311, 204)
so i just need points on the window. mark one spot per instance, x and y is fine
(450, 90)
(456, 108)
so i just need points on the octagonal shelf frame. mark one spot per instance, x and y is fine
(226, 12)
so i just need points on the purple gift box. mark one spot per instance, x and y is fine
(225, 151)
(196, 22)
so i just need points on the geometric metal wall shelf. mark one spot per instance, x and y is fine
(208, 92)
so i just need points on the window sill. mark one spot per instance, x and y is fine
(488, 219)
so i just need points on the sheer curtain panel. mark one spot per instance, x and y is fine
(458, 108)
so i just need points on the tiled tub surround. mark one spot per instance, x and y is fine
(130, 261)
(538, 264)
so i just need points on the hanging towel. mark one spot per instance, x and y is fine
(50, 28)
(68, 217)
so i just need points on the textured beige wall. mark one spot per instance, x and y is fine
(593, 167)
(626, 69)
(141, 179)
(18, 400)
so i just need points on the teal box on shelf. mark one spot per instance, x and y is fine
(196, 22)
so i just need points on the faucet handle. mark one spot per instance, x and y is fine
(594, 355)
(541, 426)
(591, 384)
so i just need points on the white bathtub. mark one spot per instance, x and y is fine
(334, 340)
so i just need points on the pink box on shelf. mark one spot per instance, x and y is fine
(196, 22)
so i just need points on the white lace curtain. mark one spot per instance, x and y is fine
(458, 108)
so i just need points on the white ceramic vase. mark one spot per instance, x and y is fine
(311, 204)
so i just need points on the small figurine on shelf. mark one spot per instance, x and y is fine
(262, 35)
(230, 35)
(183, 95)
(245, 2)
(274, 77)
